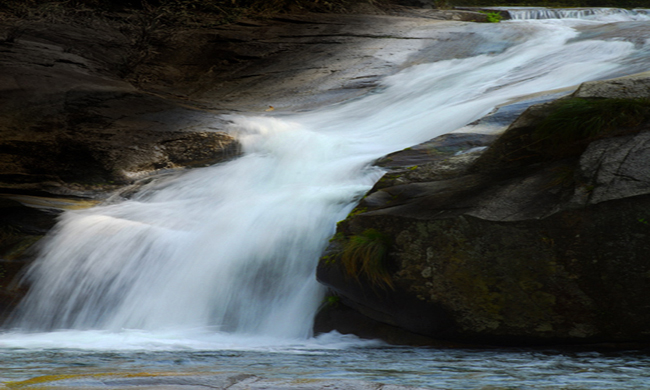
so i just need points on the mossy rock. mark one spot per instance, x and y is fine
(532, 245)
(563, 129)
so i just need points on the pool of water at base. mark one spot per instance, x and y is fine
(433, 368)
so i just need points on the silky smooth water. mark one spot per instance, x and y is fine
(213, 269)
(526, 13)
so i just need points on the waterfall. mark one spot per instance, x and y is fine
(231, 249)
(525, 13)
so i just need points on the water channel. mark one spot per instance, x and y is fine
(213, 269)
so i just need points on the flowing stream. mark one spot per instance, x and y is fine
(214, 268)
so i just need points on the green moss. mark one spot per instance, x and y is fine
(388, 177)
(514, 297)
(493, 17)
(356, 211)
(332, 300)
(442, 4)
(435, 151)
(573, 123)
(337, 237)
(490, 281)
(14, 243)
(21, 247)
(479, 293)
(367, 254)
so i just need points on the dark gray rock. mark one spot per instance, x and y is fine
(513, 246)
(614, 168)
(623, 88)
(94, 102)
(320, 59)
(67, 116)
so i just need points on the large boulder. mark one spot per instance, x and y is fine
(520, 244)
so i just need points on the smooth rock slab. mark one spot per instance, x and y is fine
(630, 87)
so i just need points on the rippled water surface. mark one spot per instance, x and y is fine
(424, 367)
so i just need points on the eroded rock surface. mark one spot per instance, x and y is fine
(296, 62)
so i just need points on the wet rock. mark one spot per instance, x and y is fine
(440, 149)
(71, 126)
(67, 117)
(512, 246)
(83, 106)
(20, 228)
(90, 105)
(332, 58)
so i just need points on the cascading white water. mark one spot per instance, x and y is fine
(525, 13)
(231, 249)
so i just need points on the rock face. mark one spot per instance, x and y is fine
(66, 115)
(295, 62)
(511, 246)
(91, 101)
(73, 128)
(90, 104)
